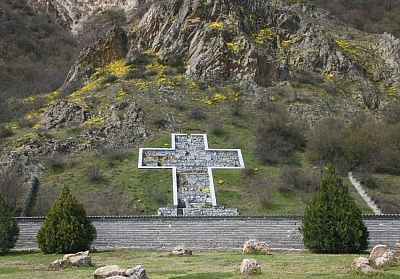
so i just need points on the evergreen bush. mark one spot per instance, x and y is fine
(9, 230)
(332, 222)
(66, 228)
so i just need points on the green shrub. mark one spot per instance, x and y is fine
(139, 73)
(277, 137)
(94, 174)
(9, 230)
(109, 79)
(197, 113)
(332, 222)
(66, 228)
(5, 132)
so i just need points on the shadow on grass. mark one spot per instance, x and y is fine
(206, 275)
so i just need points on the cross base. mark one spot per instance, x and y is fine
(173, 210)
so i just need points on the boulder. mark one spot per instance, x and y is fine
(362, 264)
(397, 251)
(182, 250)
(78, 259)
(250, 266)
(115, 272)
(109, 271)
(138, 272)
(254, 246)
(388, 256)
(377, 252)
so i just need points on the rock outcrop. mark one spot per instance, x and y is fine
(123, 127)
(63, 114)
(110, 47)
(73, 13)
(388, 49)
(240, 41)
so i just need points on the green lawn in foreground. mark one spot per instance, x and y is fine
(201, 265)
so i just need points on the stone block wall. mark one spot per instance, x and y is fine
(215, 233)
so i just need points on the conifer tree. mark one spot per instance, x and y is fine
(332, 222)
(66, 228)
(9, 230)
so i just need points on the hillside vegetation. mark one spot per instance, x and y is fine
(288, 127)
(376, 16)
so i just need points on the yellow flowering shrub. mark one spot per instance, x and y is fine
(264, 34)
(36, 125)
(232, 46)
(285, 43)
(94, 121)
(216, 25)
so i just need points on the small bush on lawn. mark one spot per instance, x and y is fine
(332, 222)
(66, 228)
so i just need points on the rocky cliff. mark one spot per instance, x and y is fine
(73, 13)
(233, 40)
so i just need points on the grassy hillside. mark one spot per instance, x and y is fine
(108, 181)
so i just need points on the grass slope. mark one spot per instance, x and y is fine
(113, 185)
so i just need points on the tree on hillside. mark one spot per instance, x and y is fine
(66, 228)
(11, 186)
(9, 230)
(277, 135)
(332, 222)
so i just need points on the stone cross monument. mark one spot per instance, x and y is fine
(192, 162)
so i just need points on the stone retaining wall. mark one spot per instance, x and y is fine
(216, 233)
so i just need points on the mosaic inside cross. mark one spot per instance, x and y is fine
(191, 162)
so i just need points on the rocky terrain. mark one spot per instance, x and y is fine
(74, 13)
(257, 47)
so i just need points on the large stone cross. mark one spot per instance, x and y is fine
(191, 162)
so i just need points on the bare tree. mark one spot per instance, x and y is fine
(11, 186)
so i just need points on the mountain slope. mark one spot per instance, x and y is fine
(228, 69)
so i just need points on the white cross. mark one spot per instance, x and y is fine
(191, 162)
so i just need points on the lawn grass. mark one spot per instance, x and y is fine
(202, 264)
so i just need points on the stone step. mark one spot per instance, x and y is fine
(364, 194)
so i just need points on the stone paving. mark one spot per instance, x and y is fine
(192, 162)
